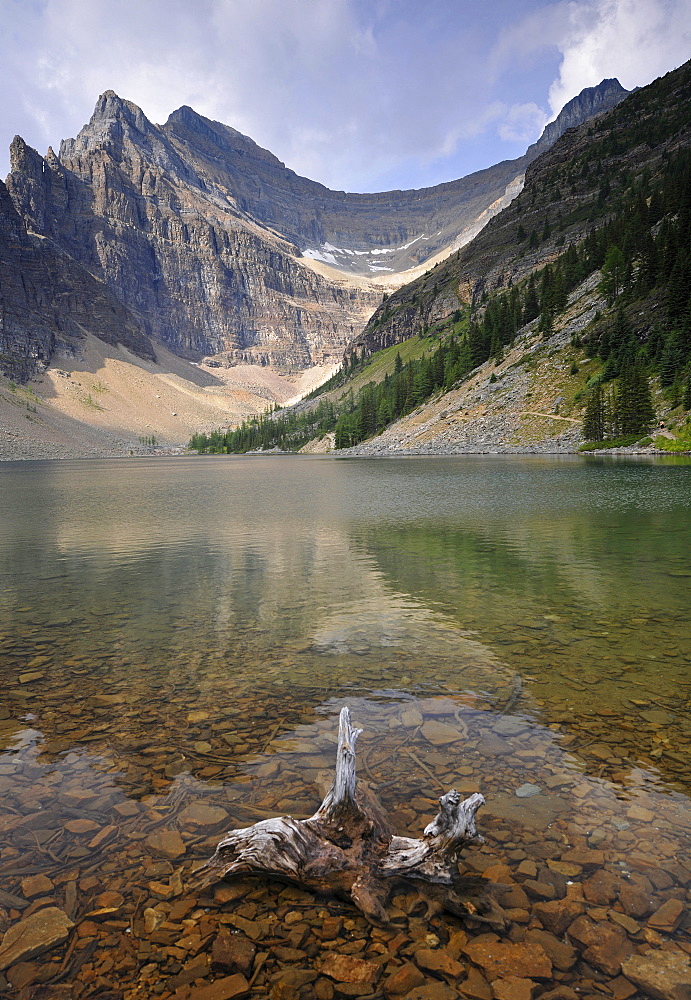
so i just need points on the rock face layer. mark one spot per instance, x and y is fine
(390, 231)
(192, 234)
(47, 301)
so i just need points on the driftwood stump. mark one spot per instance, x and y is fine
(348, 849)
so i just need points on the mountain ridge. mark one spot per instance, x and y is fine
(576, 295)
(173, 237)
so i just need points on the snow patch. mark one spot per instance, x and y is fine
(328, 258)
(327, 252)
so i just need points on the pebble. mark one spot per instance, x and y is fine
(222, 989)
(233, 951)
(668, 917)
(438, 961)
(166, 844)
(527, 790)
(505, 958)
(403, 980)
(199, 815)
(348, 969)
(606, 946)
(36, 885)
(513, 988)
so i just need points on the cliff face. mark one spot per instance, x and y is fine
(591, 101)
(364, 234)
(122, 202)
(47, 301)
(192, 234)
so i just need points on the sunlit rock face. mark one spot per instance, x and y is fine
(212, 246)
(173, 248)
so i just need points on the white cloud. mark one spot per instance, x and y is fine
(355, 93)
(522, 123)
(342, 90)
(634, 40)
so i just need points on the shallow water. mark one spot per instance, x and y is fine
(183, 632)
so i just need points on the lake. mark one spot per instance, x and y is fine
(177, 637)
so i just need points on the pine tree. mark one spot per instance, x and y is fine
(613, 271)
(531, 306)
(687, 394)
(594, 419)
(634, 410)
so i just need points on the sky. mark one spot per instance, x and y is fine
(362, 95)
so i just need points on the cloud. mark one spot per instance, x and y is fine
(634, 40)
(359, 94)
(347, 91)
(522, 123)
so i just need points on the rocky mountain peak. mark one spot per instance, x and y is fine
(591, 101)
(23, 157)
(195, 130)
(114, 119)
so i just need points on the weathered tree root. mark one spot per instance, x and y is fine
(348, 849)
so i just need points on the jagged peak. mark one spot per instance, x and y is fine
(111, 114)
(22, 155)
(591, 101)
(110, 106)
(606, 90)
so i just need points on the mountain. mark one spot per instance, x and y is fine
(572, 303)
(388, 232)
(569, 191)
(200, 277)
(210, 246)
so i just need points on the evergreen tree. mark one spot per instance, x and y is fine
(634, 410)
(613, 271)
(595, 417)
(687, 394)
(531, 306)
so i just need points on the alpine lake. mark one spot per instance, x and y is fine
(177, 637)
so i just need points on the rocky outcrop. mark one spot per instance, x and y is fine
(590, 102)
(47, 301)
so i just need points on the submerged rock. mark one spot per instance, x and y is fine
(506, 958)
(34, 935)
(527, 790)
(665, 975)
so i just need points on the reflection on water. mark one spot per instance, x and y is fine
(177, 637)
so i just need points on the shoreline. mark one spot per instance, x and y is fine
(360, 451)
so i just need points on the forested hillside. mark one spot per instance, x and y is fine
(613, 199)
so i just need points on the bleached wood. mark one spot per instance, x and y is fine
(347, 849)
(341, 795)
